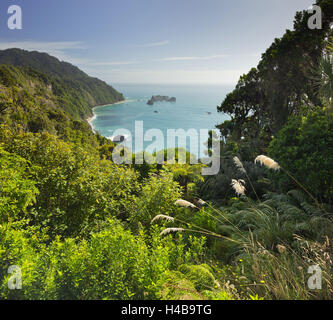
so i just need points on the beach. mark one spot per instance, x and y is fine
(93, 117)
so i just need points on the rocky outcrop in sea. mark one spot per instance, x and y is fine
(160, 99)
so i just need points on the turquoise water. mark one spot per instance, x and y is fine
(195, 109)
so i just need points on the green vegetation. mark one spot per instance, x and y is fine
(75, 92)
(81, 227)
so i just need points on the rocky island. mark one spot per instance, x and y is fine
(160, 99)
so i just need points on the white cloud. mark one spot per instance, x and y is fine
(216, 56)
(122, 75)
(42, 46)
(154, 44)
(165, 76)
(56, 49)
(110, 63)
(59, 50)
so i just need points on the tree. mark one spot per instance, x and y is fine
(265, 97)
(186, 174)
(17, 189)
(323, 77)
(305, 148)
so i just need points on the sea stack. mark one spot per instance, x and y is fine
(160, 99)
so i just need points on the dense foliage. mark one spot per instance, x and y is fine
(305, 147)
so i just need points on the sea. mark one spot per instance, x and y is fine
(147, 127)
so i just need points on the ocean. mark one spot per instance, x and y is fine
(195, 108)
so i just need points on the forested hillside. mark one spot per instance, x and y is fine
(77, 93)
(28, 103)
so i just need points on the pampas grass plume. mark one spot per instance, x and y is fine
(268, 162)
(281, 248)
(163, 216)
(238, 186)
(202, 202)
(170, 230)
(185, 204)
(239, 165)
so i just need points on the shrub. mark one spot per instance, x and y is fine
(305, 148)
(17, 189)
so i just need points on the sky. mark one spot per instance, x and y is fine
(153, 41)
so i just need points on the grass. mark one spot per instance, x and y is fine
(272, 244)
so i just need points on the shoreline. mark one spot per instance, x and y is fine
(93, 117)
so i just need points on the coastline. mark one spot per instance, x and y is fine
(93, 117)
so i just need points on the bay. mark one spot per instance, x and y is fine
(195, 108)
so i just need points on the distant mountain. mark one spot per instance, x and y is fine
(77, 93)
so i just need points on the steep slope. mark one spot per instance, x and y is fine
(28, 103)
(77, 93)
